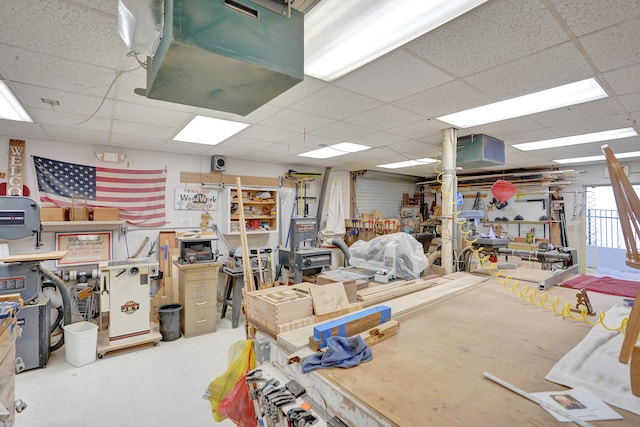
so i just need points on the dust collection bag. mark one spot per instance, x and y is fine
(240, 358)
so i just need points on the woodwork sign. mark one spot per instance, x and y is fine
(15, 168)
(84, 248)
(196, 199)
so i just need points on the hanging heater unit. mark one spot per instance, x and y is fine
(227, 55)
(477, 151)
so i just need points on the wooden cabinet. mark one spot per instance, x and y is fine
(260, 210)
(198, 296)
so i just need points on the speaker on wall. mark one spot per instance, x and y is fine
(218, 163)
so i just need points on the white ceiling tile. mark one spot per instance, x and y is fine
(448, 98)
(586, 16)
(379, 139)
(592, 112)
(298, 92)
(143, 129)
(631, 102)
(402, 72)
(21, 24)
(611, 48)
(335, 103)
(242, 144)
(295, 121)
(423, 128)
(384, 117)
(496, 33)
(266, 133)
(342, 131)
(125, 141)
(46, 116)
(144, 114)
(71, 134)
(624, 80)
(552, 67)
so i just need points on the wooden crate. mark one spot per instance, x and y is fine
(105, 214)
(79, 210)
(54, 214)
(277, 305)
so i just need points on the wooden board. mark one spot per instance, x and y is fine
(40, 256)
(295, 340)
(430, 372)
(328, 298)
(348, 326)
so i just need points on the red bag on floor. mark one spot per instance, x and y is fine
(237, 404)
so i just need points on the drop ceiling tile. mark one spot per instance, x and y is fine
(266, 133)
(624, 80)
(421, 129)
(384, 117)
(76, 104)
(138, 142)
(379, 139)
(21, 24)
(594, 112)
(21, 130)
(298, 92)
(402, 73)
(145, 114)
(551, 67)
(242, 144)
(611, 48)
(335, 103)
(343, 131)
(295, 121)
(448, 98)
(143, 129)
(69, 134)
(46, 118)
(185, 147)
(495, 33)
(50, 71)
(631, 102)
(586, 16)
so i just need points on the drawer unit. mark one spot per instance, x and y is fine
(198, 296)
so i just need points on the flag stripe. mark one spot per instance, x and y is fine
(139, 194)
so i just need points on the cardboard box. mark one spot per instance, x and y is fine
(54, 214)
(105, 214)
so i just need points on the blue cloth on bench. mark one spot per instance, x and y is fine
(341, 352)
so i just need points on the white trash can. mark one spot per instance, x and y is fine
(80, 343)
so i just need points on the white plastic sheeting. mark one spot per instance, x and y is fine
(399, 253)
(334, 225)
(140, 24)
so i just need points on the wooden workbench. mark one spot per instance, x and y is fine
(431, 372)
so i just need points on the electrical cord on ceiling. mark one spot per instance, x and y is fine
(104, 98)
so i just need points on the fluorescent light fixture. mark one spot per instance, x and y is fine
(208, 130)
(340, 36)
(598, 158)
(549, 99)
(10, 107)
(335, 150)
(586, 138)
(407, 163)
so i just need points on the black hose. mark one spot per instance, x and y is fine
(344, 248)
(66, 303)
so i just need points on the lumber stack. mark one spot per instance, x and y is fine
(380, 293)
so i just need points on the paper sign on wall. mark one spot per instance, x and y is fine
(196, 199)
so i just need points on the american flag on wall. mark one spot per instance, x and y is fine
(139, 194)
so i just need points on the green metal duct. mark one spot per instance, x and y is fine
(227, 55)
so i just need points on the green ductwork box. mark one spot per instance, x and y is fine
(477, 151)
(226, 55)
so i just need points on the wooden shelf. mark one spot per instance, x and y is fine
(265, 218)
(81, 225)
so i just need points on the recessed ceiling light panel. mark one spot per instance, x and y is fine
(208, 130)
(586, 138)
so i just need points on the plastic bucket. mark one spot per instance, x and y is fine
(80, 343)
(170, 317)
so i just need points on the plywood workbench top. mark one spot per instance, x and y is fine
(431, 372)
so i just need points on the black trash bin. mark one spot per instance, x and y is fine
(170, 316)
